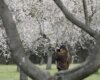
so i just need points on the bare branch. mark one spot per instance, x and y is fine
(70, 17)
(93, 12)
(17, 47)
(86, 13)
(88, 18)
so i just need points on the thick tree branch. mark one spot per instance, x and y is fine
(71, 17)
(17, 47)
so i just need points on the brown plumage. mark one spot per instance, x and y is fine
(62, 59)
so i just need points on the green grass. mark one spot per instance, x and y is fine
(95, 76)
(9, 72)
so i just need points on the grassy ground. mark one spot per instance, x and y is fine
(9, 72)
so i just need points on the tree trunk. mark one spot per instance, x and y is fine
(18, 69)
(42, 61)
(23, 76)
(49, 61)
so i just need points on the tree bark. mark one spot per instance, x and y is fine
(49, 61)
(18, 69)
(42, 60)
(23, 76)
(87, 22)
